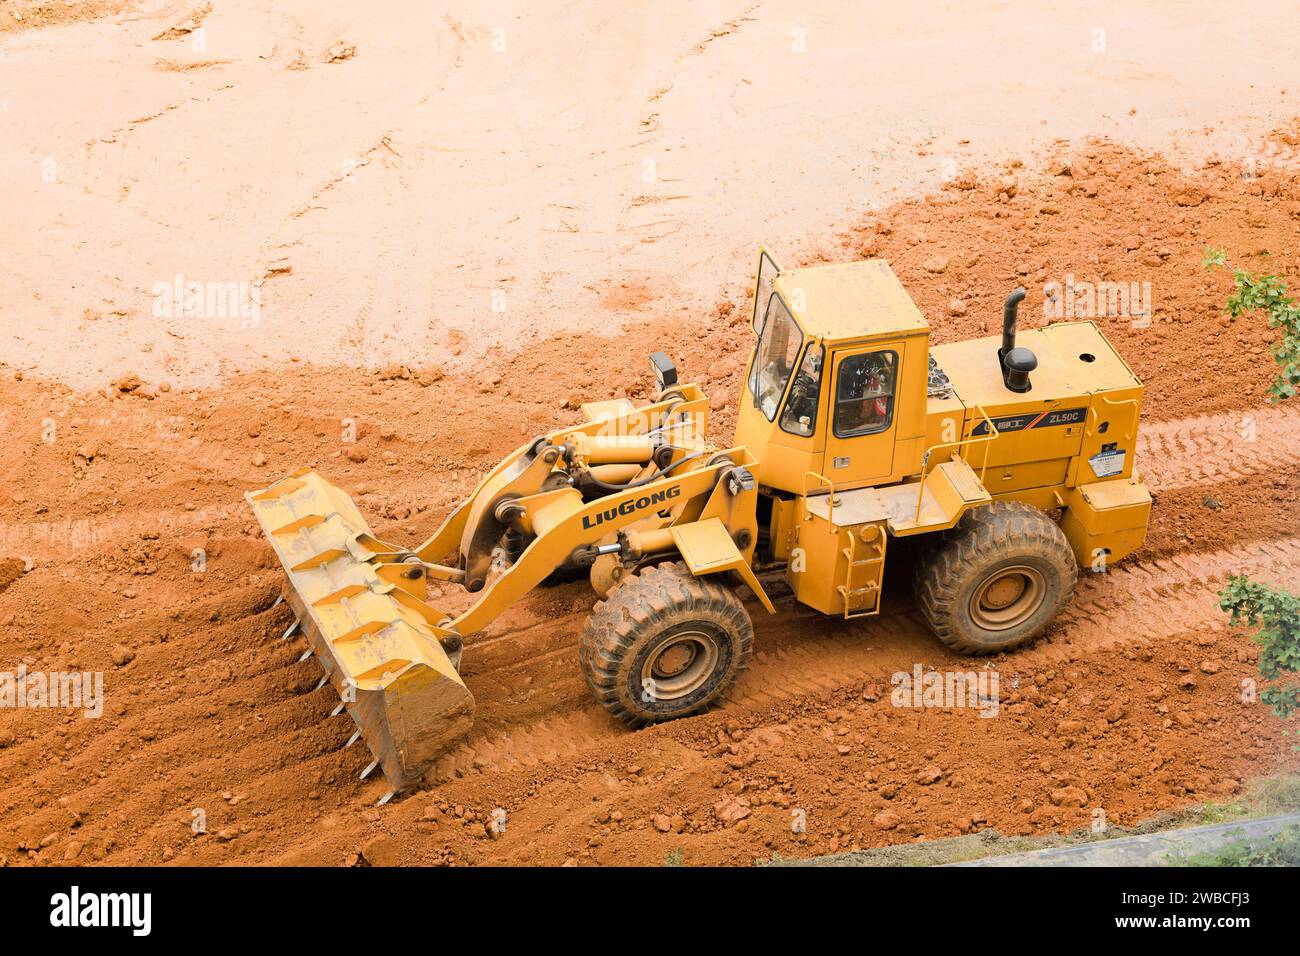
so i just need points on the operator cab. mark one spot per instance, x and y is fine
(838, 347)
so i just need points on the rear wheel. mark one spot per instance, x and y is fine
(665, 644)
(999, 579)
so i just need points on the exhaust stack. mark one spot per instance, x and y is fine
(1016, 363)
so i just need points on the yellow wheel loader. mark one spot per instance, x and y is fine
(1012, 455)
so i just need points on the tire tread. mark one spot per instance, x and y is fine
(983, 534)
(654, 597)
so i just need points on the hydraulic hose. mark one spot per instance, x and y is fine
(607, 486)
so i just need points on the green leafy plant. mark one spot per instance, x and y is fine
(1276, 614)
(1282, 849)
(673, 857)
(1267, 294)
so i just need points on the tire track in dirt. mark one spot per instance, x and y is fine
(1209, 448)
(1130, 603)
(513, 649)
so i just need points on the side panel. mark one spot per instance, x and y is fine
(945, 422)
(1106, 520)
(1030, 430)
(1005, 479)
(838, 569)
(814, 575)
(1109, 438)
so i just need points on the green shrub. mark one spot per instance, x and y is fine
(1282, 849)
(1276, 613)
(1267, 294)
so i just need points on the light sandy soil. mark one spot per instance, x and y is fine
(492, 175)
(384, 195)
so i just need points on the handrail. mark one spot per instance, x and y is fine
(830, 498)
(925, 459)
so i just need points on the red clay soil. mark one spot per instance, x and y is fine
(1131, 705)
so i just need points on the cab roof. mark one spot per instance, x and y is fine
(854, 300)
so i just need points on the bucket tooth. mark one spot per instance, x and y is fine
(356, 735)
(386, 669)
(319, 684)
(370, 768)
(285, 486)
(386, 797)
(352, 590)
(377, 640)
(305, 654)
(293, 527)
(338, 710)
(317, 560)
(279, 599)
(364, 631)
(288, 631)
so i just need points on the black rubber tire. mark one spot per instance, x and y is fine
(1003, 536)
(642, 616)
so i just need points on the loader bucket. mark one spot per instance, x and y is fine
(377, 641)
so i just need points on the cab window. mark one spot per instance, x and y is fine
(864, 394)
(800, 415)
(777, 351)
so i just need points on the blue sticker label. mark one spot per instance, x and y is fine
(1108, 463)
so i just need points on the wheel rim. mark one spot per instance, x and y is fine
(1008, 597)
(681, 664)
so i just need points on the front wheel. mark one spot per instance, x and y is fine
(665, 645)
(998, 581)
